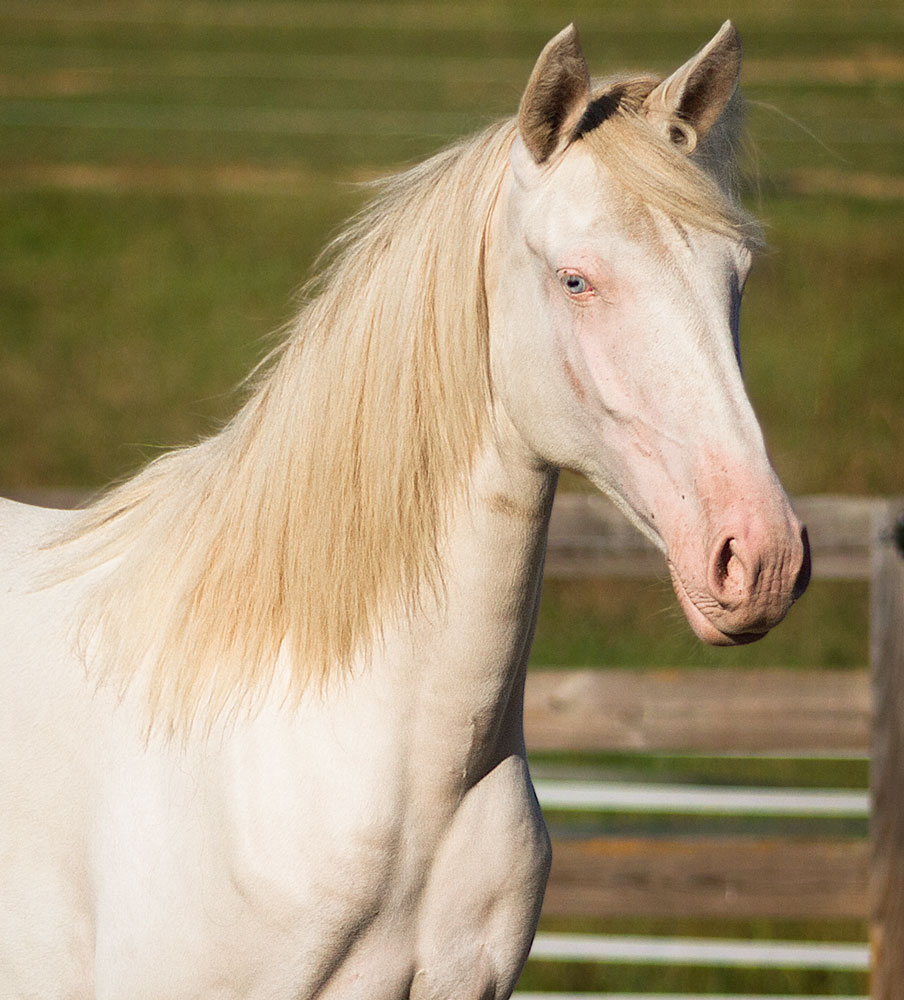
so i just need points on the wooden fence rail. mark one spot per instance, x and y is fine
(709, 877)
(807, 712)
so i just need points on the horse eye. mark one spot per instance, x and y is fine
(574, 284)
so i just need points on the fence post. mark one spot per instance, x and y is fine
(887, 751)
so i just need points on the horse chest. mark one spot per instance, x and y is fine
(274, 906)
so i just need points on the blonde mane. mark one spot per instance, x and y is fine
(321, 506)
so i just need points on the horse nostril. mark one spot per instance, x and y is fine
(803, 576)
(723, 561)
(728, 577)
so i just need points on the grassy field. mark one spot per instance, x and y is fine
(169, 170)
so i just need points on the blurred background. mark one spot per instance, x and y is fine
(169, 170)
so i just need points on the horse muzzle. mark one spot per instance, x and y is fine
(752, 577)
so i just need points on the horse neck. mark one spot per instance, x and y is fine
(469, 655)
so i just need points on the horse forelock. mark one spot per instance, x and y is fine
(698, 190)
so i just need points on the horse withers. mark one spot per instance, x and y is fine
(261, 705)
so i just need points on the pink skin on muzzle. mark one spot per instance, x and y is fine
(752, 572)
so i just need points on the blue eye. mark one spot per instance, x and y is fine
(573, 283)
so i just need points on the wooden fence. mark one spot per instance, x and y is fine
(773, 712)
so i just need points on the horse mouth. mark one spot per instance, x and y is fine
(703, 626)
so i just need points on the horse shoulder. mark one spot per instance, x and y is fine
(485, 887)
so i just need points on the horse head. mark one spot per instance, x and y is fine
(616, 263)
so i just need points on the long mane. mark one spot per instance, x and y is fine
(319, 510)
(320, 506)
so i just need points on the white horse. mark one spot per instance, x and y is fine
(261, 706)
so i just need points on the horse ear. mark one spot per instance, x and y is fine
(686, 105)
(556, 96)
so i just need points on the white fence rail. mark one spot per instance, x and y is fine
(597, 796)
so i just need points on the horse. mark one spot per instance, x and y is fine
(261, 704)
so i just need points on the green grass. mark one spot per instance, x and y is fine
(706, 769)
(823, 344)
(136, 314)
(132, 302)
(696, 982)
(137, 311)
(630, 623)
